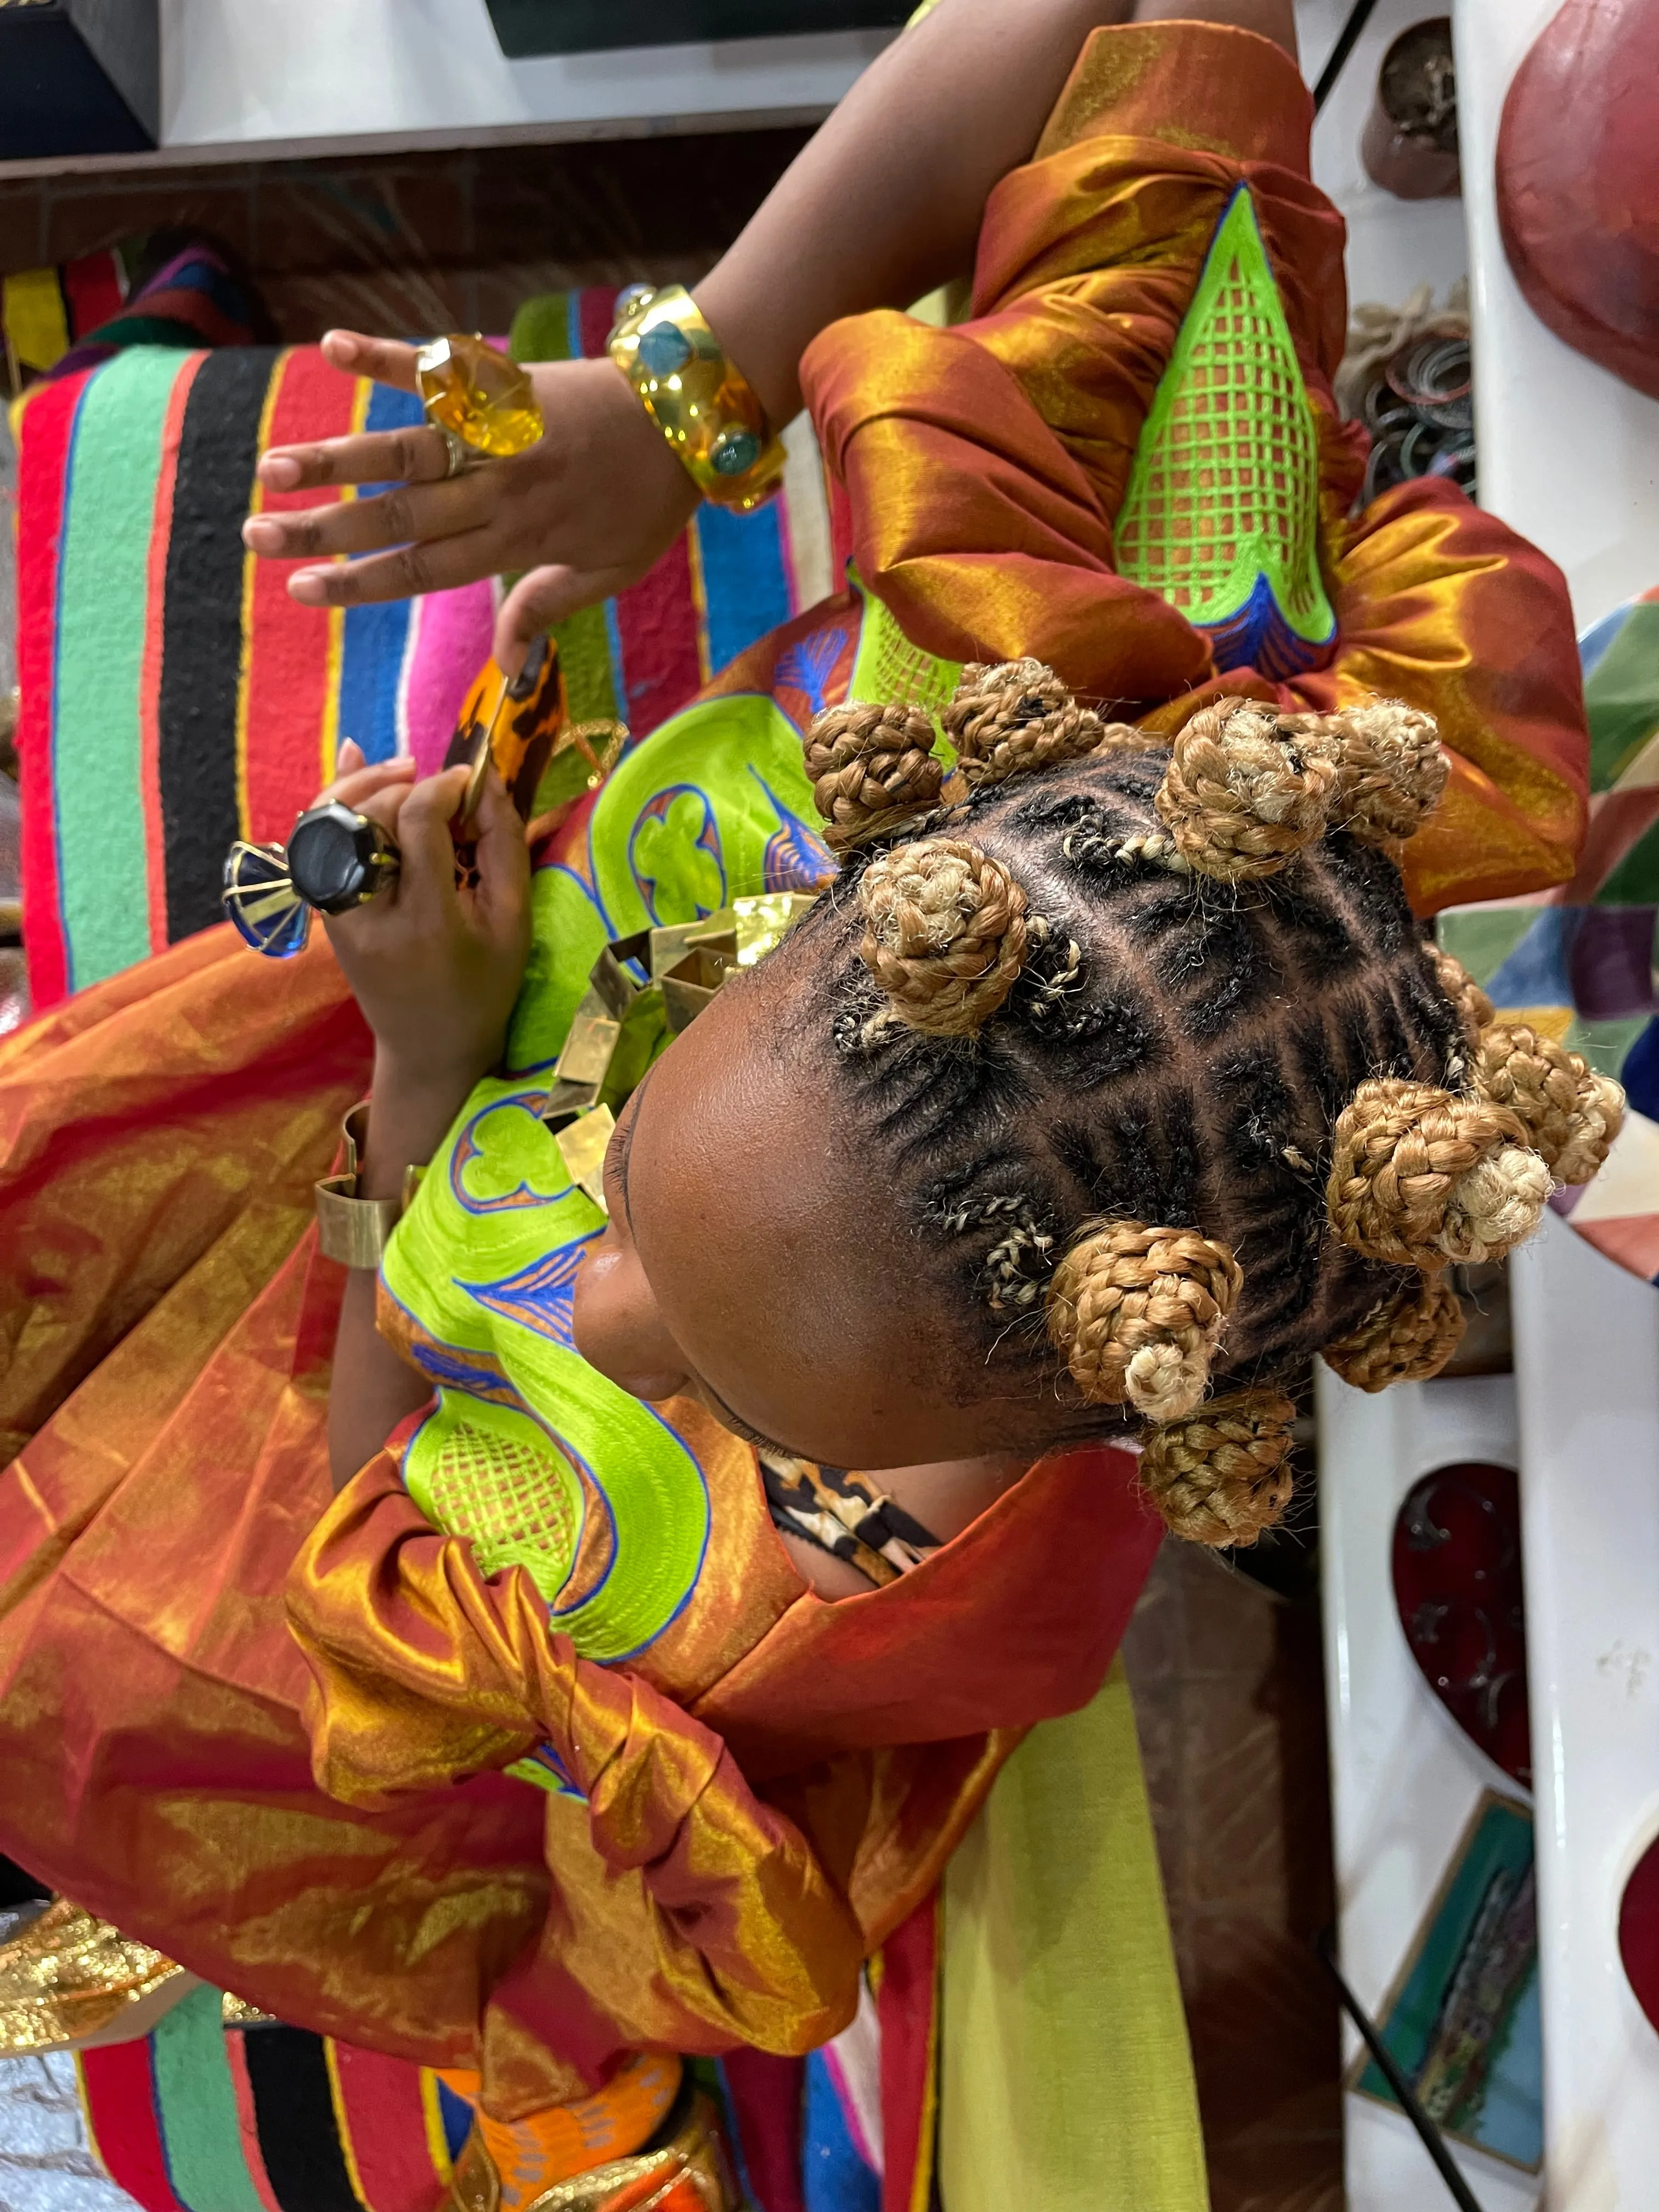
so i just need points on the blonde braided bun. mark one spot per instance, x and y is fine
(1570, 1114)
(945, 934)
(1420, 1176)
(1390, 767)
(1407, 1339)
(1011, 719)
(1139, 1312)
(1240, 796)
(1222, 1475)
(1474, 1008)
(870, 768)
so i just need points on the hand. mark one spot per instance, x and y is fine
(436, 966)
(586, 510)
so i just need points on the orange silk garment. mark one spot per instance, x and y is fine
(769, 1789)
(986, 465)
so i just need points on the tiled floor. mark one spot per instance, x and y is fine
(1229, 1695)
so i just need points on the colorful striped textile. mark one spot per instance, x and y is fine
(1580, 965)
(192, 299)
(44, 312)
(174, 698)
(199, 2117)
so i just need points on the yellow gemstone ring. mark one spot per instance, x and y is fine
(481, 404)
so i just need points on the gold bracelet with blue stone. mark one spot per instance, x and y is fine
(706, 409)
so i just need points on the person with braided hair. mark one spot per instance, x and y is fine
(473, 1681)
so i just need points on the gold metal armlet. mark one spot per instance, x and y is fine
(706, 408)
(352, 1229)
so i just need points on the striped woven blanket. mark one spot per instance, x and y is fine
(174, 698)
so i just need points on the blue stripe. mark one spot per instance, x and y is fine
(372, 652)
(618, 681)
(457, 2115)
(744, 580)
(834, 2177)
(573, 324)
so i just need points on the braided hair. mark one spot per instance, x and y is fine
(1165, 1076)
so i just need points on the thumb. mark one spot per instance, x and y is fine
(541, 598)
(501, 856)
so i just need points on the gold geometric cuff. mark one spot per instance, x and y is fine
(354, 1230)
(704, 406)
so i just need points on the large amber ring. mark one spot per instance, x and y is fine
(481, 402)
(704, 406)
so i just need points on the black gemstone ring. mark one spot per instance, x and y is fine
(338, 859)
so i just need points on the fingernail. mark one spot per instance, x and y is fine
(280, 470)
(261, 535)
(307, 587)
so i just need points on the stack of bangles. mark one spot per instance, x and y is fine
(483, 407)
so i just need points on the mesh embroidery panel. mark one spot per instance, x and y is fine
(888, 667)
(1224, 494)
(509, 1492)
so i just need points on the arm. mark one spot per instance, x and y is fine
(435, 969)
(883, 205)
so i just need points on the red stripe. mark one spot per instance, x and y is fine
(121, 2105)
(596, 311)
(382, 2114)
(247, 2121)
(92, 285)
(766, 2094)
(286, 650)
(48, 428)
(150, 678)
(658, 620)
(909, 1991)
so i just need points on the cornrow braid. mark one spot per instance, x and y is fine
(1159, 1146)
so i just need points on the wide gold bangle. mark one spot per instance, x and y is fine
(714, 424)
(356, 1230)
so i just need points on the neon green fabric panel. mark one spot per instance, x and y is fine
(1065, 2078)
(1224, 488)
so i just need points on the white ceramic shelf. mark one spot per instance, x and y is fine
(1404, 1778)
(300, 77)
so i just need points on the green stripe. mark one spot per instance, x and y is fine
(541, 328)
(102, 862)
(584, 644)
(198, 2101)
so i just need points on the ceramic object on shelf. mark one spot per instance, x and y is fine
(1409, 146)
(1578, 183)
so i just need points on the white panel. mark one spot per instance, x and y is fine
(1587, 1368)
(1404, 1778)
(253, 73)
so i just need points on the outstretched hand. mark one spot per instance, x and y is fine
(584, 511)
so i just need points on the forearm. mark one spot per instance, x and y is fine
(373, 1387)
(884, 203)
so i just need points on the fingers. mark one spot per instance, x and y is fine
(387, 360)
(438, 566)
(358, 782)
(364, 525)
(427, 874)
(415, 454)
(542, 597)
(503, 858)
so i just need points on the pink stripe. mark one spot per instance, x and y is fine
(596, 311)
(850, 2111)
(454, 632)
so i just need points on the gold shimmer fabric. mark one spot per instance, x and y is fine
(987, 465)
(767, 1789)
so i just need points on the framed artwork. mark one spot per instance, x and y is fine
(1462, 2020)
(583, 27)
